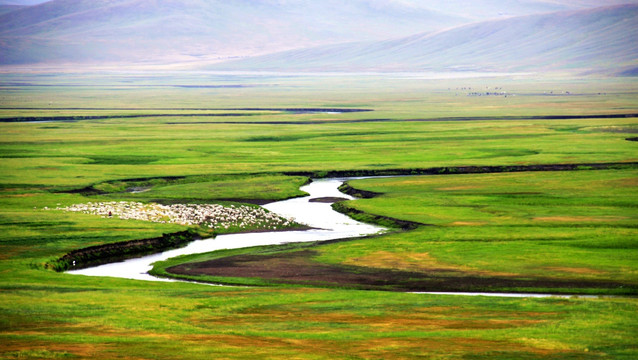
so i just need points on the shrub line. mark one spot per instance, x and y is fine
(107, 253)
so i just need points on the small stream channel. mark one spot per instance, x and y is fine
(327, 224)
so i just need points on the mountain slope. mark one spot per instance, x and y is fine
(5, 9)
(588, 40)
(171, 31)
(177, 30)
(482, 10)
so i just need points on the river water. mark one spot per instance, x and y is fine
(327, 224)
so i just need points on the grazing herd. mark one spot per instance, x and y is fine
(213, 216)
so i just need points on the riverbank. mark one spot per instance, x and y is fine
(404, 263)
(108, 253)
(320, 223)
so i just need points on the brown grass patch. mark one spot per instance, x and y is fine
(410, 348)
(577, 270)
(579, 218)
(468, 223)
(461, 187)
(22, 349)
(9, 252)
(407, 181)
(423, 319)
(45, 328)
(419, 262)
(401, 261)
(421, 322)
(382, 345)
(628, 182)
(265, 347)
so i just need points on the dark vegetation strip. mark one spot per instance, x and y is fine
(300, 268)
(441, 119)
(359, 193)
(229, 86)
(107, 253)
(295, 122)
(536, 117)
(343, 110)
(454, 170)
(384, 221)
(104, 117)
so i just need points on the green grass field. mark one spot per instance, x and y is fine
(568, 226)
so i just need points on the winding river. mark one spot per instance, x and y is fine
(327, 224)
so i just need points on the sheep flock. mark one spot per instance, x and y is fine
(213, 216)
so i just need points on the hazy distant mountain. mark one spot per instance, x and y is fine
(21, 2)
(481, 10)
(168, 31)
(4, 9)
(178, 30)
(601, 39)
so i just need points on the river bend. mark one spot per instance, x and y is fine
(326, 224)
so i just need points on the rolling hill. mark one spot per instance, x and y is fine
(4, 9)
(598, 40)
(175, 31)
(190, 30)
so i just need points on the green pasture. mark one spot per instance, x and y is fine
(247, 188)
(579, 224)
(85, 153)
(576, 225)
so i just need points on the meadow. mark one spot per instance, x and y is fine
(576, 227)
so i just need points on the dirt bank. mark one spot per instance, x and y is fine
(384, 221)
(107, 253)
(300, 268)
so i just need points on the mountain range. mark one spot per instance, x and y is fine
(319, 35)
(195, 30)
(592, 40)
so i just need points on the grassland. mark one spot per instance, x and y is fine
(491, 232)
(581, 226)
